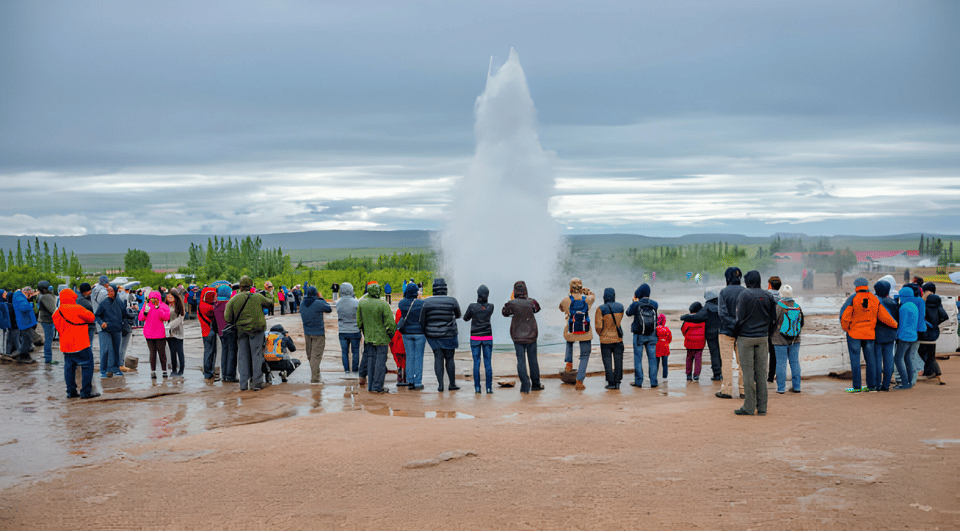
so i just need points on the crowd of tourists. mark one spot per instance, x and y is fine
(757, 330)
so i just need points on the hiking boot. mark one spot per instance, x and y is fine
(580, 386)
(362, 382)
(569, 368)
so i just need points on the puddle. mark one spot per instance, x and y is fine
(386, 411)
(941, 443)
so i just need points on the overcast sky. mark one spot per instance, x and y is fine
(667, 118)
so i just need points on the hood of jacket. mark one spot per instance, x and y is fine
(906, 292)
(609, 295)
(752, 279)
(346, 290)
(882, 289)
(695, 307)
(710, 295)
(576, 286)
(661, 319)
(224, 292)
(733, 275)
(519, 290)
(373, 290)
(411, 291)
(310, 296)
(103, 280)
(68, 296)
(208, 295)
(642, 291)
(483, 293)
(439, 286)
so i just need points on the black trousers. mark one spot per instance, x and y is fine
(928, 353)
(612, 356)
(716, 362)
(443, 358)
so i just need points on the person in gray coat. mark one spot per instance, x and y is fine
(348, 329)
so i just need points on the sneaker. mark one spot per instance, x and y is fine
(53, 362)
(854, 389)
(689, 378)
(153, 375)
(26, 360)
(696, 378)
(165, 374)
(489, 390)
(93, 395)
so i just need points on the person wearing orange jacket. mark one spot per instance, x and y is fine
(71, 321)
(859, 321)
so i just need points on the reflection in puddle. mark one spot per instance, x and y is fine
(379, 409)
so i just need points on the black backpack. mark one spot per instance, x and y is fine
(645, 322)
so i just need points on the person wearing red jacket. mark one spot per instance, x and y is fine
(694, 339)
(71, 321)
(209, 330)
(664, 337)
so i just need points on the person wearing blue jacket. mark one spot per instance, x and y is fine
(914, 295)
(110, 314)
(26, 320)
(644, 334)
(311, 313)
(414, 340)
(907, 338)
(5, 326)
(885, 337)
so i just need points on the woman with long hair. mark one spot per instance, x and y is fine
(174, 332)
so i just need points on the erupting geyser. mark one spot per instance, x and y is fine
(499, 228)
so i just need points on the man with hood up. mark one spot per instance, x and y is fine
(311, 313)
(859, 321)
(576, 329)
(481, 337)
(348, 331)
(524, 332)
(413, 339)
(885, 338)
(610, 333)
(375, 321)
(110, 314)
(756, 312)
(209, 331)
(71, 321)
(6, 347)
(644, 311)
(709, 314)
(727, 311)
(439, 321)
(228, 337)
(26, 320)
(46, 304)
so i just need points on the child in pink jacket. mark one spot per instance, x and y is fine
(153, 314)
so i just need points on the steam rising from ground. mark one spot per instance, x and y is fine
(499, 228)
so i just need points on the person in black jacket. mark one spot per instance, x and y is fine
(727, 310)
(524, 332)
(481, 337)
(413, 339)
(439, 321)
(756, 312)
(934, 315)
(710, 315)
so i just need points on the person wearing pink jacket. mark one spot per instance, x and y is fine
(153, 314)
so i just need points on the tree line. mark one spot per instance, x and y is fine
(37, 262)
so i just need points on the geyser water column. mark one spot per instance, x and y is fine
(499, 226)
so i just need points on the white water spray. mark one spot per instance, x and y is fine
(500, 229)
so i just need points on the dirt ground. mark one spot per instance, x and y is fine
(668, 458)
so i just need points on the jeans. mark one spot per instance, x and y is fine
(883, 353)
(109, 352)
(209, 354)
(914, 354)
(346, 342)
(228, 356)
(482, 349)
(124, 342)
(584, 357)
(365, 361)
(641, 343)
(753, 357)
(527, 354)
(83, 359)
(48, 332)
(612, 356)
(250, 359)
(414, 345)
(928, 353)
(376, 356)
(26, 341)
(853, 347)
(443, 358)
(788, 354)
(904, 363)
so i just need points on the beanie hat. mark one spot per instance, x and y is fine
(860, 282)
(786, 292)
(246, 282)
(85, 287)
(223, 292)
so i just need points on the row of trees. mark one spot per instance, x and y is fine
(795, 245)
(674, 261)
(38, 262)
(931, 247)
(405, 261)
(231, 257)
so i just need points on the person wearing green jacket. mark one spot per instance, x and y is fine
(375, 320)
(245, 311)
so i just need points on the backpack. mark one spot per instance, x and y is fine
(273, 350)
(645, 323)
(790, 327)
(579, 320)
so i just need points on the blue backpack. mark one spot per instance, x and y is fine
(579, 320)
(790, 327)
